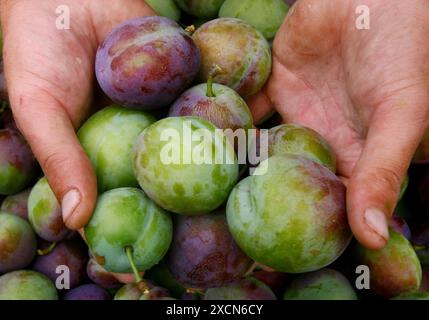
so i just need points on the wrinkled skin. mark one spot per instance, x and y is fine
(17, 163)
(146, 62)
(165, 8)
(395, 269)
(44, 213)
(126, 217)
(305, 231)
(17, 243)
(325, 284)
(226, 110)
(108, 138)
(265, 15)
(17, 204)
(245, 289)
(87, 292)
(239, 50)
(26, 285)
(301, 141)
(100, 276)
(193, 187)
(203, 9)
(67, 253)
(204, 254)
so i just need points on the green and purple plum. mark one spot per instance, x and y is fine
(18, 166)
(17, 243)
(216, 103)
(133, 291)
(301, 141)
(265, 15)
(100, 276)
(108, 138)
(17, 204)
(165, 8)
(185, 165)
(238, 51)
(325, 284)
(146, 62)
(26, 285)
(395, 269)
(203, 9)
(290, 215)
(248, 288)
(44, 213)
(127, 223)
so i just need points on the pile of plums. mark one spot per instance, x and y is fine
(179, 211)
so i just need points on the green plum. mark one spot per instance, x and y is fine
(17, 243)
(302, 141)
(265, 15)
(26, 285)
(395, 269)
(204, 9)
(44, 213)
(108, 138)
(185, 165)
(248, 288)
(127, 225)
(290, 215)
(165, 8)
(325, 284)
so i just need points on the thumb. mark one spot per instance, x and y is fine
(50, 133)
(373, 189)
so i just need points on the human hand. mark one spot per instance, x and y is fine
(365, 91)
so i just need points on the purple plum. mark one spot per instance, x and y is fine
(17, 204)
(87, 292)
(248, 288)
(100, 276)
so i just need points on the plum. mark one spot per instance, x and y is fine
(165, 8)
(17, 204)
(204, 254)
(44, 213)
(66, 253)
(414, 295)
(26, 285)
(146, 62)
(87, 292)
(185, 165)
(17, 243)
(126, 225)
(133, 291)
(420, 241)
(290, 215)
(216, 103)
(248, 288)
(395, 269)
(238, 50)
(275, 280)
(108, 138)
(265, 15)
(17, 163)
(422, 152)
(100, 276)
(325, 284)
(301, 141)
(203, 9)
(425, 279)
(163, 277)
(398, 224)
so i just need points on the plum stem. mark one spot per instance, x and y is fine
(190, 30)
(129, 252)
(48, 250)
(210, 92)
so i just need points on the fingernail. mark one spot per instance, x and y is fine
(376, 220)
(69, 203)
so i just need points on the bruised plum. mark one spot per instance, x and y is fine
(290, 215)
(87, 292)
(395, 269)
(204, 254)
(248, 288)
(239, 51)
(17, 163)
(17, 204)
(146, 62)
(17, 243)
(203, 9)
(325, 284)
(44, 213)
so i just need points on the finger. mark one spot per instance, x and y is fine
(50, 133)
(260, 106)
(373, 189)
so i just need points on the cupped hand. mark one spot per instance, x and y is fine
(50, 77)
(365, 90)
